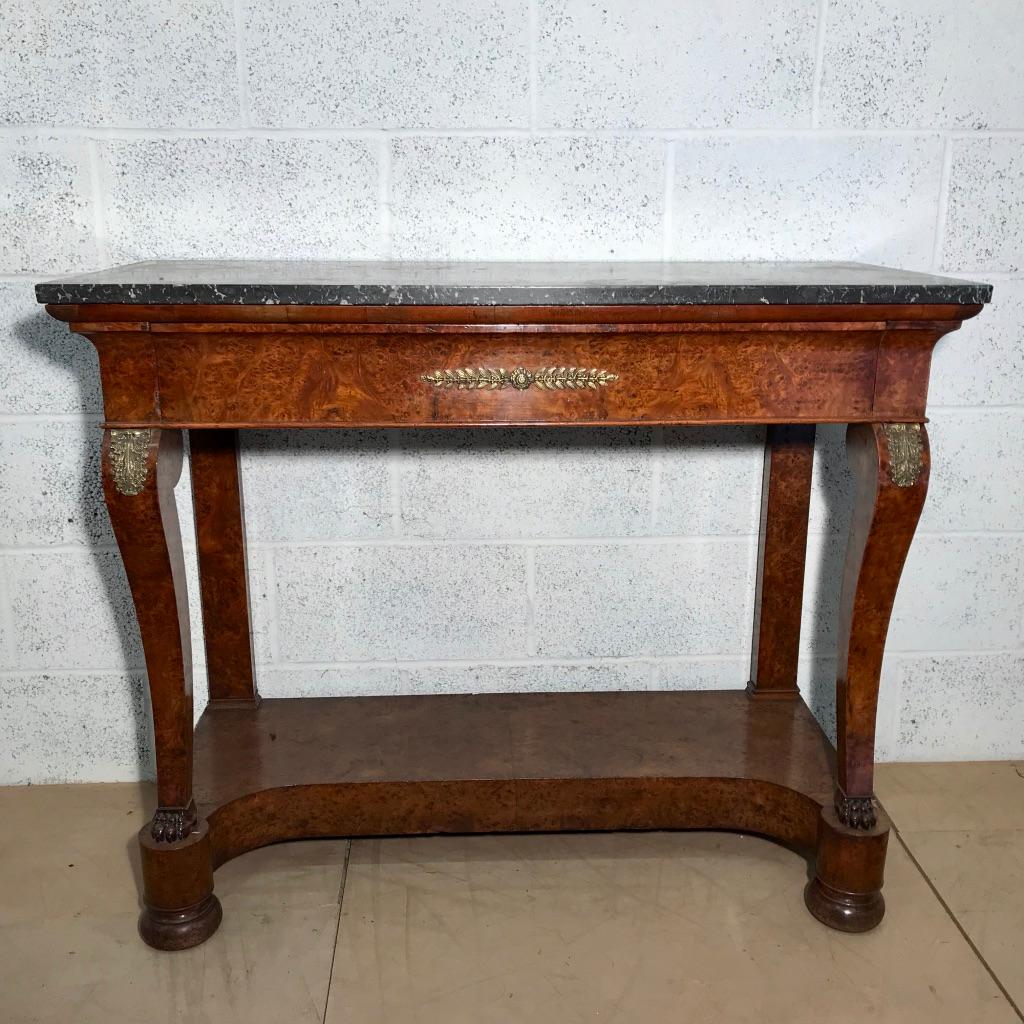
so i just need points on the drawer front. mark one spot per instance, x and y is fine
(438, 377)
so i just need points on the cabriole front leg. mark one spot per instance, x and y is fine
(890, 463)
(140, 469)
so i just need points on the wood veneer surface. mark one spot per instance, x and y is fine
(709, 734)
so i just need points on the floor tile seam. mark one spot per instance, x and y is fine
(959, 927)
(337, 927)
(1009, 829)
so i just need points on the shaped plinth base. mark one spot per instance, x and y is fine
(179, 908)
(846, 891)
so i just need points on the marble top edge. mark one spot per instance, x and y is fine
(286, 282)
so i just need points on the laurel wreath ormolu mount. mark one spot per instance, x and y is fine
(550, 378)
(214, 348)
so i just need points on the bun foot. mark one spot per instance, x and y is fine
(180, 929)
(844, 911)
(179, 908)
(846, 890)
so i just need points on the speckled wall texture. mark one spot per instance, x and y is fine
(390, 562)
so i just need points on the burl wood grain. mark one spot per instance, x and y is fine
(350, 379)
(149, 538)
(223, 574)
(179, 909)
(782, 552)
(128, 376)
(510, 762)
(884, 519)
(286, 769)
(846, 890)
(336, 366)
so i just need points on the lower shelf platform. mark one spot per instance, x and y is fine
(356, 766)
(545, 762)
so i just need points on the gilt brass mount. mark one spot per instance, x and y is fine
(906, 452)
(548, 378)
(127, 454)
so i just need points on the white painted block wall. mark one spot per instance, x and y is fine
(414, 562)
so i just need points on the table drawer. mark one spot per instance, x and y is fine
(445, 376)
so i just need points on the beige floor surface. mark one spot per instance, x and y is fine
(696, 927)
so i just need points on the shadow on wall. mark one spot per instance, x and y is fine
(511, 459)
(826, 557)
(68, 380)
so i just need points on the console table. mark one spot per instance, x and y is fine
(215, 347)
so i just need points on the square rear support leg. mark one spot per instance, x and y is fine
(223, 570)
(782, 553)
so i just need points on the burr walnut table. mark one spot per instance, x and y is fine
(213, 348)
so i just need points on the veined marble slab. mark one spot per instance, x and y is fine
(407, 283)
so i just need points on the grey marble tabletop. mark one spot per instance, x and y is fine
(386, 283)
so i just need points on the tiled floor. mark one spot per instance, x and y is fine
(625, 928)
